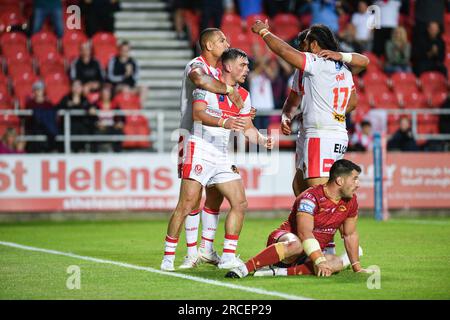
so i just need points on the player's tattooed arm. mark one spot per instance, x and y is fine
(278, 46)
(209, 83)
(199, 115)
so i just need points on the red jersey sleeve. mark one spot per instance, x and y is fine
(308, 203)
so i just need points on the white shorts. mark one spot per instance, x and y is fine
(319, 154)
(207, 172)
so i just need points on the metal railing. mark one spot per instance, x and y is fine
(156, 136)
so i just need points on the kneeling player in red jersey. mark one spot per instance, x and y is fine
(295, 248)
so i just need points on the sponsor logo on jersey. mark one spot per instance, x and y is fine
(338, 117)
(221, 98)
(198, 169)
(213, 112)
(338, 65)
(307, 206)
(340, 77)
(340, 148)
(199, 94)
(325, 230)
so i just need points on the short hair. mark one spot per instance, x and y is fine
(124, 43)
(205, 35)
(342, 168)
(233, 54)
(365, 123)
(324, 37)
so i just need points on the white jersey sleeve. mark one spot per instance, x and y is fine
(313, 64)
(245, 111)
(297, 85)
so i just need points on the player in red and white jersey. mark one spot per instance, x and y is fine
(205, 162)
(315, 216)
(202, 72)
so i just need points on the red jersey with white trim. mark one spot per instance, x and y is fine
(327, 87)
(328, 216)
(214, 140)
(188, 87)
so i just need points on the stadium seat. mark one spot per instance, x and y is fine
(50, 63)
(13, 49)
(438, 99)
(5, 99)
(231, 20)
(362, 108)
(22, 85)
(305, 20)
(9, 121)
(384, 100)
(43, 42)
(71, 42)
(413, 100)
(427, 124)
(136, 125)
(57, 91)
(286, 26)
(374, 90)
(374, 61)
(433, 82)
(394, 122)
(192, 20)
(9, 38)
(403, 80)
(104, 39)
(374, 78)
(56, 78)
(128, 100)
(242, 41)
(104, 53)
(3, 80)
(11, 19)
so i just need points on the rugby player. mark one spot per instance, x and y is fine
(295, 248)
(206, 163)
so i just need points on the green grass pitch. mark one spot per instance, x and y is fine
(413, 256)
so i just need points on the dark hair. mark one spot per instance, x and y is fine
(301, 37)
(233, 54)
(205, 35)
(365, 123)
(341, 168)
(324, 37)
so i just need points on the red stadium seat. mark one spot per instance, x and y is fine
(374, 90)
(3, 80)
(44, 41)
(14, 49)
(9, 38)
(374, 61)
(16, 68)
(104, 53)
(362, 108)
(23, 87)
(231, 19)
(286, 26)
(404, 80)
(104, 39)
(192, 20)
(136, 125)
(11, 19)
(9, 121)
(413, 100)
(56, 91)
(427, 124)
(305, 20)
(128, 100)
(56, 78)
(374, 78)
(394, 122)
(5, 99)
(385, 100)
(71, 42)
(433, 82)
(50, 63)
(438, 99)
(242, 41)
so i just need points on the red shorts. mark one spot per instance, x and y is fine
(275, 235)
(273, 238)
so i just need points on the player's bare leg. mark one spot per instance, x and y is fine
(210, 221)
(190, 193)
(298, 183)
(234, 192)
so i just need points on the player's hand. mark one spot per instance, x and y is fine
(268, 143)
(252, 113)
(236, 98)
(235, 124)
(259, 25)
(330, 55)
(365, 270)
(323, 270)
(286, 124)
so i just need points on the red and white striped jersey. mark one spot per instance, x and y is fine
(326, 86)
(213, 141)
(188, 87)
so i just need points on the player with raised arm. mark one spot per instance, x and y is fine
(206, 163)
(296, 247)
(202, 72)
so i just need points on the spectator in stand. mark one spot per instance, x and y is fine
(429, 52)
(389, 15)
(79, 124)
(42, 122)
(9, 143)
(250, 7)
(444, 121)
(279, 6)
(428, 11)
(260, 80)
(211, 10)
(122, 69)
(48, 8)
(99, 15)
(361, 19)
(347, 40)
(87, 69)
(108, 123)
(403, 139)
(398, 52)
(362, 138)
(326, 12)
(178, 7)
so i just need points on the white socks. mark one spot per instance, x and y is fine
(210, 220)
(191, 228)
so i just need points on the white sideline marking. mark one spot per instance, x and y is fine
(440, 223)
(148, 269)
